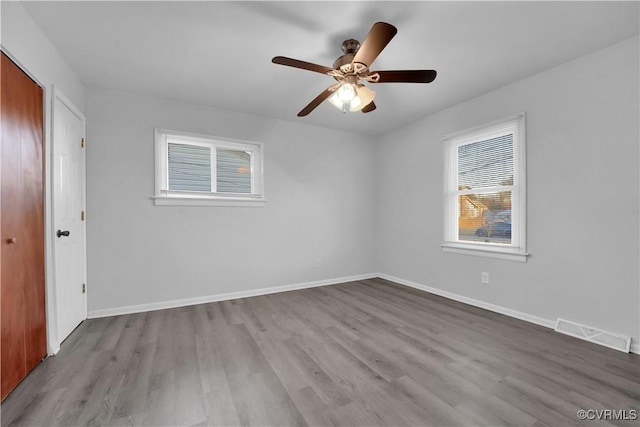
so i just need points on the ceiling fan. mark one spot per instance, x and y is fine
(352, 68)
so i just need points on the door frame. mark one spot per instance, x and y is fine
(52, 306)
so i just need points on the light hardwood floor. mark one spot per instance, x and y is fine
(366, 353)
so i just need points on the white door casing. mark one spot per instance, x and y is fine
(68, 200)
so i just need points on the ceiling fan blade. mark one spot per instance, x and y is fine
(369, 107)
(404, 76)
(318, 100)
(380, 35)
(295, 63)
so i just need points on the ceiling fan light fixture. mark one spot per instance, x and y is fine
(343, 97)
(346, 92)
(351, 97)
(366, 95)
(356, 104)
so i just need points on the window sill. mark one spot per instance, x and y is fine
(209, 201)
(499, 253)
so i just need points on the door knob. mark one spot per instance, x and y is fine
(12, 240)
(62, 233)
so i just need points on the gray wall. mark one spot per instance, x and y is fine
(366, 205)
(320, 196)
(582, 195)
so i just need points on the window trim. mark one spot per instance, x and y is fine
(514, 252)
(164, 197)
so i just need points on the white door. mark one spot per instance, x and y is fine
(68, 216)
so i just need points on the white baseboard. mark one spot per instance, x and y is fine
(635, 347)
(116, 311)
(474, 302)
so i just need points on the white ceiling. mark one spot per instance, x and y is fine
(219, 53)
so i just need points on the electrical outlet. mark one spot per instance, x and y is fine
(318, 262)
(485, 277)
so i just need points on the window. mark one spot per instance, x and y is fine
(485, 191)
(201, 170)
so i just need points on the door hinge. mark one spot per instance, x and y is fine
(82, 143)
(84, 288)
(82, 216)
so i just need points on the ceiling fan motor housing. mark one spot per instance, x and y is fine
(349, 47)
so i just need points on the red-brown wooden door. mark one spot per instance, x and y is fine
(23, 332)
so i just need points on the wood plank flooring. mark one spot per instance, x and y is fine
(367, 353)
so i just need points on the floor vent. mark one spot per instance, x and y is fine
(598, 336)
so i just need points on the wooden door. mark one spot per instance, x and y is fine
(23, 334)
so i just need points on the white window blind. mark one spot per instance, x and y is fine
(189, 167)
(485, 207)
(199, 168)
(486, 164)
(486, 190)
(234, 171)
